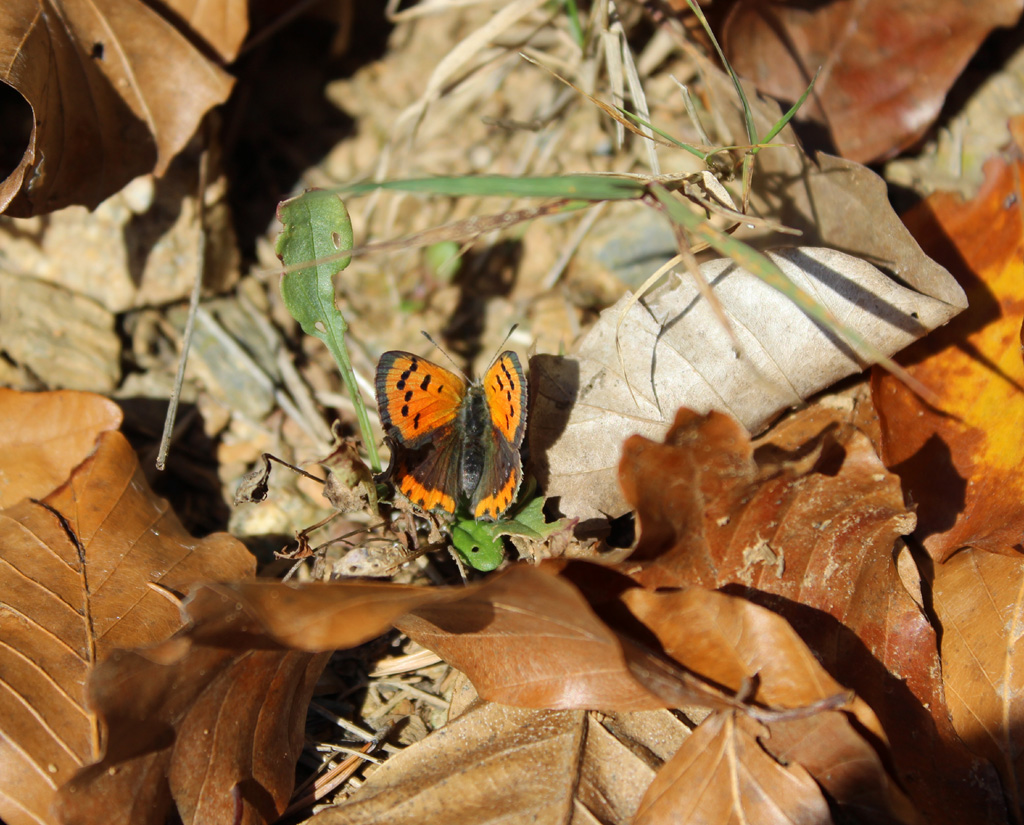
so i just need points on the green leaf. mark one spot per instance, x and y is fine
(317, 231)
(477, 545)
(479, 542)
(316, 228)
(529, 522)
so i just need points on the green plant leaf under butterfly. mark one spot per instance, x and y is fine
(479, 542)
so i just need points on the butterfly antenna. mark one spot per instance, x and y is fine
(445, 354)
(503, 342)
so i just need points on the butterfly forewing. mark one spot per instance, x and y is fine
(416, 398)
(505, 389)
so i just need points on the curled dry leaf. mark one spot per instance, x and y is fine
(722, 774)
(530, 638)
(962, 462)
(104, 81)
(676, 353)
(90, 568)
(45, 435)
(884, 69)
(978, 599)
(806, 526)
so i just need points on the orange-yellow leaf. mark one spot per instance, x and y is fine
(961, 464)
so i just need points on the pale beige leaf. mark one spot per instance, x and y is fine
(677, 354)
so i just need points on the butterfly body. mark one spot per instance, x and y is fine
(452, 440)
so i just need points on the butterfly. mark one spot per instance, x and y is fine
(452, 439)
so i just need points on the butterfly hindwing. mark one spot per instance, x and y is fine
(429, 477)
(416, 398)
(499, 483)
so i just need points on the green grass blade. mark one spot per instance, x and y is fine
(573, 187)
(748, 116)
(572, 14)
(778, 127)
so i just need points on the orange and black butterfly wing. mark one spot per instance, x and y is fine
(417, 399)
(505, 391)
(429, 476)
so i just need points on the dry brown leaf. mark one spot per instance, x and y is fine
(711, 513)
(721, 774)
(77, 573)
(529, 638)
(212, 720)
(45, 435)
(961, 463)
(105, 80)
(885, 69)
(494, 764)
(605, 770)
(503, 764)
(806, 527)
(736, 643)
(223, 25)
(978, 599)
